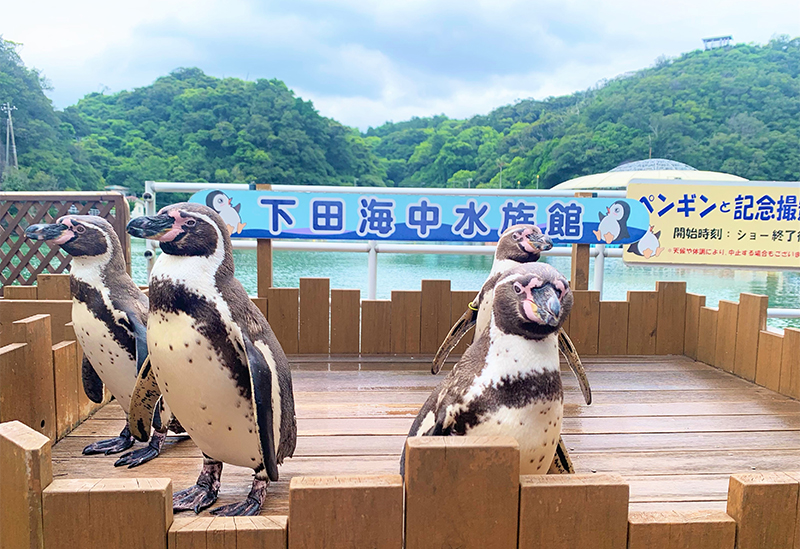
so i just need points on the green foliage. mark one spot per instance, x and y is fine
(49, 157)
(734, 110)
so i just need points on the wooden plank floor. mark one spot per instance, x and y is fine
(674, 428)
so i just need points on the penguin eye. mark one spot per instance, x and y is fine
(191, 222)
(517, 288)
(80, 229)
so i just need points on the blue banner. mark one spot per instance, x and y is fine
(421, 217)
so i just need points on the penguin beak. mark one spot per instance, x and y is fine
(544, 308)
(153, 227)
(49, 232)
(542, 242)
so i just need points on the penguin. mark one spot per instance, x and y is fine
(648, 246)
(214, 357)
(614, 224)
(109, 313)
(508, 382)
(511, 252)
(221, 203)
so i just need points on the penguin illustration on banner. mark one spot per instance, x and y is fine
(614, 224)
(221, 203)
(648, 246)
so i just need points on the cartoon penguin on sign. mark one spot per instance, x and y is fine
(221, 203)
(614, 225)
(648, 246)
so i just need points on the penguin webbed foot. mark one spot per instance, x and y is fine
(249, 507)
(112, 445)
(143, 455)
(195, 498)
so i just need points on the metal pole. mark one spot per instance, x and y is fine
(599, 268)
(149, 198)
(372, 267)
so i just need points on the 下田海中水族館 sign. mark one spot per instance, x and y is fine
(327, 214)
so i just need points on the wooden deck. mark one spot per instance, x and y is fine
(674, 428)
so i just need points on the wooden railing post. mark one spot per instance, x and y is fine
(346, 511)
(764, 506)
(462, 492)
(26, 471)
(579, 268)
(263, 257)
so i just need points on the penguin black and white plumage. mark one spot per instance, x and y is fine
(614, 225)
(221, 203)
(214, 357)
(520, 244)
(508, 382)
(648, 246)
(109, 313)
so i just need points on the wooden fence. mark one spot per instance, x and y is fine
(22, 260)
(442, 503)
(313, 319)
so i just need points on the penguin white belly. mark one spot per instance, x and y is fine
(609, 225)
(200, 390)
(536, 427)
(111, 362)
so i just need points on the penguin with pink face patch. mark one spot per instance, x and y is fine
(109, 313)
(508, 382)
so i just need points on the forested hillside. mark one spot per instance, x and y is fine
(735, 110)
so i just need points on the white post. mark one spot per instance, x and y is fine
(599, 268)
(372, 267)
(149, 198)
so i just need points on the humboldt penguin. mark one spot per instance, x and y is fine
(519, 244)
(614, 224)
(214, 357)
(508, 381)
(109, 313)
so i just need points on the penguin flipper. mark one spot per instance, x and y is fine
(458, 331)
(238, 207)
(623, 232)
(261, 386)
(568, 350)
(139, 330)
(92, 384)
(144, 400)
(601, 216)
(562, 464)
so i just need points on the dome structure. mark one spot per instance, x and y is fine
(652, 168)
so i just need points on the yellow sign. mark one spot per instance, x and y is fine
(745, 224)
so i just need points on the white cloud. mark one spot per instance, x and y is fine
(367, 62)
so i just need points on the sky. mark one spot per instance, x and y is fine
(365, 63)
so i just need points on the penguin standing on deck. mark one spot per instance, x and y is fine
(109, 313)
(519, 244)
(508, 382)
(214, 357)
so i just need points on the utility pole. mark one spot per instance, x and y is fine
(501, 164)
(7, 108)
(469, 182)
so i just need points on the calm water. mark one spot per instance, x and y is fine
(405, 271)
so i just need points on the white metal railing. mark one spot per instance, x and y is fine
(598, 252)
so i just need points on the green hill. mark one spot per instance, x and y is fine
(735, 110)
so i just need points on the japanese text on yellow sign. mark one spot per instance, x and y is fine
(748, 224)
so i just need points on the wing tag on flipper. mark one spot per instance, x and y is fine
(458, 331)
(568, 350)
(143, 402)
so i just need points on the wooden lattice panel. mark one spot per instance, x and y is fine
(22, 260)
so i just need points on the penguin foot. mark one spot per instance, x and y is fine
(250, 506)
(143, 455)
(194, 499)
(203, 494)
(112, 445)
